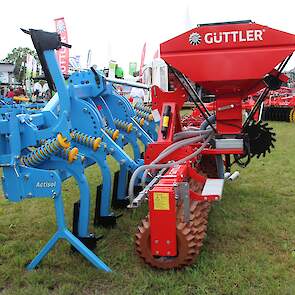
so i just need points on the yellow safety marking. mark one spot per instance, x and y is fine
(161, 201)
(96, 143)
(129, 127)
(165, 121)
(141, 122)
(72, 156)
(63, 141)
(116, 134)
(150, 117)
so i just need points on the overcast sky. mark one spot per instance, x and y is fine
(118, 29)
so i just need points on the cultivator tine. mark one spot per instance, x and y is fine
(90, 241)
(76, 214)
(117, 203)
(115, 189)
(104, 221)
(99, 220)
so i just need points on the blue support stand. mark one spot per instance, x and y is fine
(64, 233)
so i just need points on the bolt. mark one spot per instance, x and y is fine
(85, 110)
(53, 194)
(30, 195)
(168, 242)
(6, 196)
(111, 150)
(157, 252)
(26, 176)
(2, 178)
(156, 241)
(168, 252)
(122, 162)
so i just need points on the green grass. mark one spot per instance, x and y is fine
(249, 248)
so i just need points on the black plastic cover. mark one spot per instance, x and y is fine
(45, 41)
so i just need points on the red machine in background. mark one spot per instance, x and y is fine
(186, 166)
(279, 105)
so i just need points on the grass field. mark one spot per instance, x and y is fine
(249, 248)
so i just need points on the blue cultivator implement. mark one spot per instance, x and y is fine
(33, 151)
(83, 124)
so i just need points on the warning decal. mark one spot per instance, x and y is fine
(161, 201)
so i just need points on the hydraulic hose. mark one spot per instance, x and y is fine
(190, 133)
(167, 165)
(205, 123)
(170, 150)
(191, 128)
(178, 145)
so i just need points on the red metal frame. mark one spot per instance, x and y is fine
(230, 61)
(163, 209)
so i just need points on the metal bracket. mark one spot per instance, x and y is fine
(182, 191)
(136, 202)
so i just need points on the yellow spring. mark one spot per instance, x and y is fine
(42, 153)
(123, 125)
(141, 107)
(145, 115)
(85, 139)
(142, 114)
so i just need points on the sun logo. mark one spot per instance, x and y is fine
(195, 39)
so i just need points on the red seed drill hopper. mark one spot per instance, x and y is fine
(186, 166)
